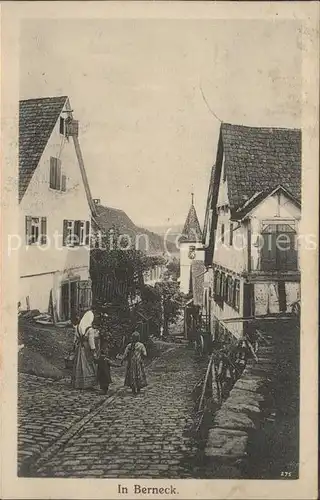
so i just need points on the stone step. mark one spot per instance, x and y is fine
(226, 443)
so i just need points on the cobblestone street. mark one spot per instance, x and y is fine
(86, 435)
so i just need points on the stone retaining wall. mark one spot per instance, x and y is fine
(237, 423)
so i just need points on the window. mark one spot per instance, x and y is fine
(230, 286)
(62, 126)
(55, 173)
(279, 252)
(231, 234)
(70, 230)
(76, 232)
(237, 295)
(58, 180)
(82, 235)
(36, 230)
(224, 291)
(222, 233)
(217, 284)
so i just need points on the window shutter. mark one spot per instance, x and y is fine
(232, 292)
(65, 232)
(87, 239)
(58, 173)
(62, 126)
(231, 234)
(63, 183)
(53, 167)
(76, 239)
(43, 230)
(28, 229)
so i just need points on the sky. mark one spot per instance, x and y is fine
(147, 136)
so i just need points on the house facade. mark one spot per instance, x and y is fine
(55, 210)
(251, 229)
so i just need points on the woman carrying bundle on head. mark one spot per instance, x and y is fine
(84, 372)
(135, 377)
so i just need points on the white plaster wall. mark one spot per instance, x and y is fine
(267, 300)
(292, 293)
(233, 257)
(185, 263)
(41, 201)
(37, 289)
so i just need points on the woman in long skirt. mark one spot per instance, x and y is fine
(84, 373)
(135, 377)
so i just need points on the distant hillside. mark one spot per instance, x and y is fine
(175, 228)
(141, 238)
(172, 233)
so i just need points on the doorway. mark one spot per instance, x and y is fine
(69, 299)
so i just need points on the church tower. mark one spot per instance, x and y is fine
(191, 247)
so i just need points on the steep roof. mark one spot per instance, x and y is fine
(191, 230)
(107, 218)
(37, 118)
(259, 159)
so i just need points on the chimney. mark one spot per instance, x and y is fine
(96, 201)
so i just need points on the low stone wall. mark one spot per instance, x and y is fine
(238, 421)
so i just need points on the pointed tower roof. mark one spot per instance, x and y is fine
(191, 230)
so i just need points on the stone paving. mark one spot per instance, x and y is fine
(128, 436)
(46, 410)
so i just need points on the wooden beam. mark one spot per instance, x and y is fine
(84, 175)
(255, 318)
(205, 382)
(249, 245)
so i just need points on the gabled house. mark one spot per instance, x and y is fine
(55, 210)
(251, 229)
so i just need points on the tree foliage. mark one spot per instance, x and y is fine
(173, 269)
(161, 305)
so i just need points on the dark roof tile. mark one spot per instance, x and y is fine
(37, 118)
(108, 218)
(191, 230)
(259, 159)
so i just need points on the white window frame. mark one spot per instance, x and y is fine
(36, 230)
(35, 225)
(75, 240)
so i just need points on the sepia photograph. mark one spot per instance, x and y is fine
(160, 249)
